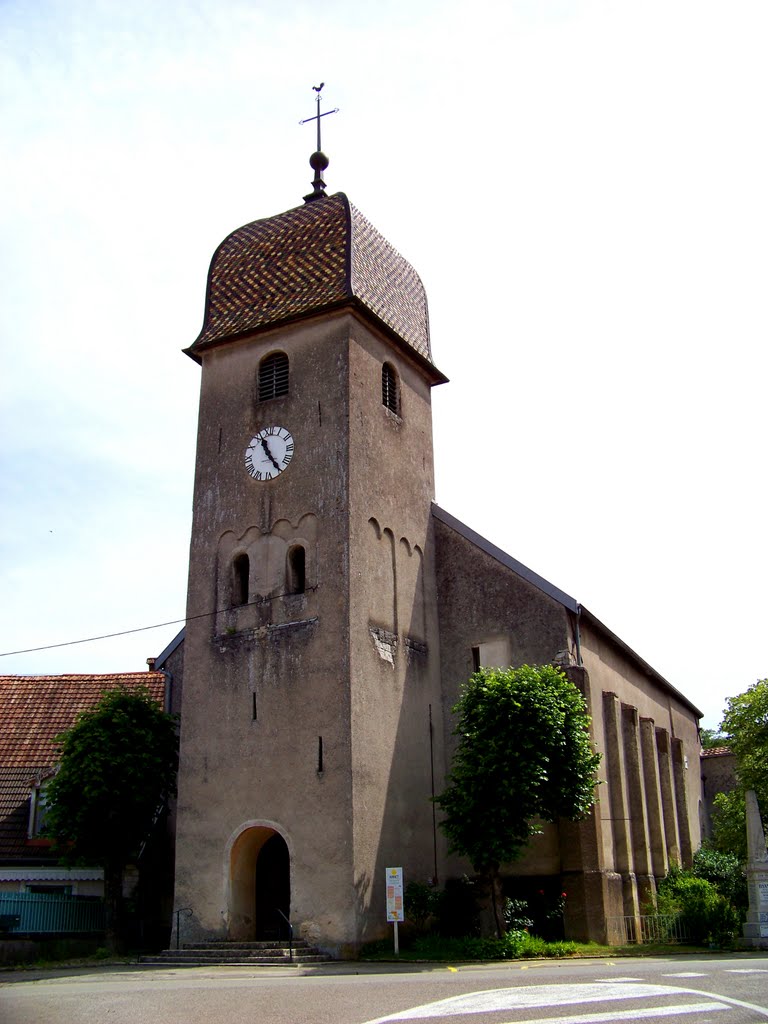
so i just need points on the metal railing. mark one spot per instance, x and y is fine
(643, 928)
(27, 913)
(183, 910)
(290, 933)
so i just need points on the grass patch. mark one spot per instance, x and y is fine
(513, 946)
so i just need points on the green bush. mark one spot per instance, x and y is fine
(724, 871)
(423, 903)
(536, 947)
(515, 945)
(705, 915)
(724, 923)
(516, 915)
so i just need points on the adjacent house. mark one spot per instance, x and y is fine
(34, 710)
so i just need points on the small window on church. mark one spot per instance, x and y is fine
(296, 567)
(273, 376)
(241, 569)
(389, 390)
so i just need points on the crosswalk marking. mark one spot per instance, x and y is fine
(649, 1011)
(745, 970)
(684, 974)
(541, 997)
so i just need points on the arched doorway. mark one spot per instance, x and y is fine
(273, 888)
(259, 884)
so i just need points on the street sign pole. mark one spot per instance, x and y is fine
(395, 909)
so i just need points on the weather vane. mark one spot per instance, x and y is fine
(318, 161)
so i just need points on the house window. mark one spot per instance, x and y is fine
(38, 808)
(296, 569)
(493, 653)
(49, 890)
(241, 569)
(389, 390)
(273, 376)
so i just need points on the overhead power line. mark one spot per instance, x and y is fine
(105, 636)
(138, 629)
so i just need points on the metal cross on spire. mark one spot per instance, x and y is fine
(318, 161)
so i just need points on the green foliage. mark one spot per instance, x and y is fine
(706, 916)
(468, 947)
(745, 725)
(514, 945)
(724, 923)
(729, 824)
(118, 767)
(523, 754)
(533, 946)
(724, 871)
(516, 915)
(422, 903)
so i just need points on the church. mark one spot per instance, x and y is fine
(334, 611)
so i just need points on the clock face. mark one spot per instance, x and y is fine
(269, 453)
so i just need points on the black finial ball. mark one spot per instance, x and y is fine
(318, 161)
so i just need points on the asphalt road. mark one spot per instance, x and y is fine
(717, 988)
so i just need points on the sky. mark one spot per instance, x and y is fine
(581, 186)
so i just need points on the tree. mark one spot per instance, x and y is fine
(729, 824)
(745, 729)
(745, 724)
(117, 771)
(724, 871)
(523, 754)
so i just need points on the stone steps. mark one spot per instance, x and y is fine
(238, 954)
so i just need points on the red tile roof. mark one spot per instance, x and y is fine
(33, 711)
(716, 751)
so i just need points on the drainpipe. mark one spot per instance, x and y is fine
(168, 684)
(577, 636)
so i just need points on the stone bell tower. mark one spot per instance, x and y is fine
(311, 662)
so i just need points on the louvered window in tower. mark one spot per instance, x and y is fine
(273, 376)
(389, 391)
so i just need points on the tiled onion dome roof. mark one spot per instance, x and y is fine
(308, 260)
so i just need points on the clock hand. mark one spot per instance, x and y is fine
(270, 456)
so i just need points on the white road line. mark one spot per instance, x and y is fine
(553, 996)
(684, 974)
(532, 997)
(613, 981)
(762, 1010)
(649, 1011)
(744, 970)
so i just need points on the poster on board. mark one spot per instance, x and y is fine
(395, 908)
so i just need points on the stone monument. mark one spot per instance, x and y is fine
(756, 926)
